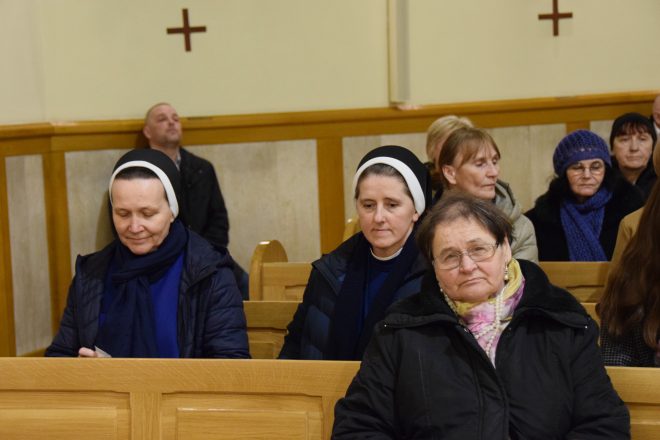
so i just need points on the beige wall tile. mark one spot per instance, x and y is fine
(527, 158)
(87, 176)
(603, 129)
(29, 252)
(271, 192)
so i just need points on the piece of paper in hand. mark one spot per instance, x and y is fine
(101, 353)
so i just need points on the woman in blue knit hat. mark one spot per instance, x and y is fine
(577, 219)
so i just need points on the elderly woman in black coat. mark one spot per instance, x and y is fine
(488, 350)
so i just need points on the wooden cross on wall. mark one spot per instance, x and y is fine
(186, 30)
(555, 17)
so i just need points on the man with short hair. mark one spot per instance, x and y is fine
(203, 207)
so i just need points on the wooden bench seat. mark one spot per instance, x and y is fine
(273, 277)
(267, 321)
(202, 399)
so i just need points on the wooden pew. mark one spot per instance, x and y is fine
(585, 280)
(272, 277)
(266, 322)
(200, 399)
(154, 399)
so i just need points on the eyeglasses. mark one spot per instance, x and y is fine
(594, 168)
(477, 253)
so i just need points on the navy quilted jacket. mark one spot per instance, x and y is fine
(210, 322)
(308, 331)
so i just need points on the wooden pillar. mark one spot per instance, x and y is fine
(57, 230)
(7, 328)
(330, 172)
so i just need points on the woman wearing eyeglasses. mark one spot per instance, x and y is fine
(577, 219)
(488, 349)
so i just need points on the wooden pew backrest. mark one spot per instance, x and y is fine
(202, 399)
(585, 280)
(273, 278)
(266, 323)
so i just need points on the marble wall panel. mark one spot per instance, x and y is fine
(526, 162)
(271, 192)
(87, 176)
(603, 129)
(29, 252)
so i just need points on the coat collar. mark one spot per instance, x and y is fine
(539, 298)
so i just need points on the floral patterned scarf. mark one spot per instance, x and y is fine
(478, 316)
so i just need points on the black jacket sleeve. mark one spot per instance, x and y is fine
(598, 412)
(368, 410)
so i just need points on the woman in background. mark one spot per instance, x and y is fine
(632, 140)
(578, 217)
(349, 289)
(630, 306)
(436, 136)
(470, 163)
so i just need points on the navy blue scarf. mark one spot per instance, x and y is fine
(346, 340)
(582, 223)
(129, 329)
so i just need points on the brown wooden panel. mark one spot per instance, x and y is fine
(284, 281)
(241, 416)
(577, 125)
(7, 328)
(267, 322)
(330, 170)
(585, 280)
(63, 415)
(145, 415)
(88, 135)
(57, 230)
(238, 387)
(58, 424)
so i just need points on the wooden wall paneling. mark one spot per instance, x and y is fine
(57, 229)
(145, 415)
(99, 135)
(7, 328)
(577, 125)
(329, 164)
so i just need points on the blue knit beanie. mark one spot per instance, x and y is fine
(579, 145)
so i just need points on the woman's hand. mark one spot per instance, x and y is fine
(87, 353)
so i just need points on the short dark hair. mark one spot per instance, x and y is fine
(455, 206)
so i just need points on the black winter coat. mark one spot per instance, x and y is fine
(308, 331)
(424, 376)
(210, 318)
(645, 181)
(203, 207)
(550, 236)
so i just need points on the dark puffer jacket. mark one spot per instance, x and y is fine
(425, 376)
(550, 236)
(308, 331)
(645, 181)
(210, 318)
